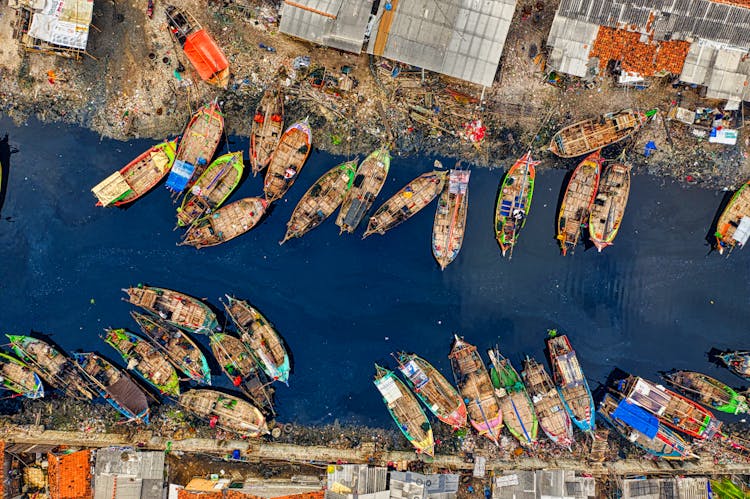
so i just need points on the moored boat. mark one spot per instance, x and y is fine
(514, 202)
(643, 429)
(571, 382)
(707, 390)
(553, 418)
(178, 347)
(260, 337)
(518, 411)
(266, 129)
(577, 200)
(212, 188)
(52, 365)
(114, 386)
(321, 200)
(609, 205)
(733, 226)
(368, 182)
(450, 218)
(738, 362)
(287, 160)
(406, 203)
(589, 135)
(20, 378)
(225, 411)
(178, 309)
(405, 411)
(431, 387)
(137, 177)
(226, 223)
(475, 386)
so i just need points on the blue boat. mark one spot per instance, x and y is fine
(570, 382)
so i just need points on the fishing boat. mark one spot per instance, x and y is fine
(260, 337)
(178, 309)
(114, 386)
(225, 411)
(242, 370)
(738, 362)
(514, 202)
(226, 223)
(177, 346)
(368, 182)
(321, 200)
(553, 418)
(589, 135)
(570, 382)
(52, 365)
(197, 146)
(643, 429)
(672, 409)
(450, 218)
(707, 391)
(609, 205)
(20, 378)
(212, 188)
(137, 177)
(475, 386)
(406, 203)
(577, 201)
(405, 411)
(146, 361)
(431, 387)
(733, 226)
(518, 410)
(265, 132)
(287, 160)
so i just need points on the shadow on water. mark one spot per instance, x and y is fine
(5, 152)
(711, 234)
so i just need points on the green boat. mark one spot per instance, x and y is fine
(514, 202)
(707, 391)
(20, 378)
(147, 362)
(211, 189)
(518, 410)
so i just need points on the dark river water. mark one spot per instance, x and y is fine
(655, 300)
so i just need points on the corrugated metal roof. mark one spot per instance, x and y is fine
(128, 474)
(571, 41)
(721, 70)
(345, 30)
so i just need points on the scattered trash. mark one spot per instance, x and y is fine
(300, 62)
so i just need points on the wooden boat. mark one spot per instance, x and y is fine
(431, 387)
(672, 409)
(321, 200)
(176, 308)
(368, 182)
(268, 124)
(405, 411)
(553, 418)
(145, 360)
(738, 362)
(407, 202)
(212, 188)
(707, 390)
(643, 429)
(225, 411)
(242, 370)
(577, 201)
(20, 378)
(114, 386)
(137, 177)
(197, 146)
(609, 205)
(226, 223)
(518, 410)
(52, 365)
(177, 346)
(733, 226)
(450, 218)
(287, 160)
(514, 202)
(260, 337)
(475, 386)
(571, 382)
(589, 135)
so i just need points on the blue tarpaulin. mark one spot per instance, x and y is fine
(637, 418)
(651, 146)
(180, 175)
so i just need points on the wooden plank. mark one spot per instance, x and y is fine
(384, 29)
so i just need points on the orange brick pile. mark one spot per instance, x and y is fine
(736, 3)
(646, 59)
(188, 494)
(234, 494)
(69, 475)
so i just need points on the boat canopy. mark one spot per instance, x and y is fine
(570, 369)
(412, 371)
(127, 393)
(742, 233)
(458, 181)
(204, 54)
(649, 396)
(180, 175)
(388, 388)
(111, 189)
(637, 418)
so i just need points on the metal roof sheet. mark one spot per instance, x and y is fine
(721, 70)
(333, 23)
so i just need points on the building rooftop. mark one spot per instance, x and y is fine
(543, 484)
(63, 23)
(334, 23)
(69, 475)
(127, 474)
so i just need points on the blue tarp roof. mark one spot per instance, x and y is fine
(637, 418)
(180, 175)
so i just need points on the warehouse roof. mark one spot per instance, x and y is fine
(334, 23)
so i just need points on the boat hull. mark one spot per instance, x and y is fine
(514, 201)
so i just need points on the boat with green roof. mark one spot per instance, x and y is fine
(211, 189)
(514, 202)
(707, 390)
(519, 415)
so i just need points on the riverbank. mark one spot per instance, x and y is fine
(130, 88)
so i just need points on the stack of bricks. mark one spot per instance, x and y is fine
(69, 475)
(644, 58)
(736, 3)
